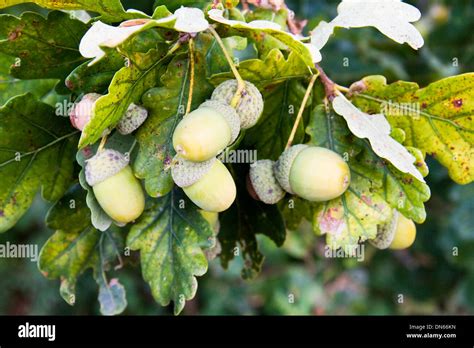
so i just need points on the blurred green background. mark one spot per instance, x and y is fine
(298, 279)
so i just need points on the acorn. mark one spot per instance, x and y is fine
(81, 112)
(397, 234)
(263, 183)
(117, 190)
(208, 184)
(250, 106)
(314, 173)
(206, 131)
(133, 119)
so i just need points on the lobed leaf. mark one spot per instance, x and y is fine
(76, 246)
(95, 79)
(110, 10)
(11, 87)
(71, 249)
(36, 151)
(127, 86)
(170, 235)
(46, 47)
(271, 70)
(255, 30)
(437, 119)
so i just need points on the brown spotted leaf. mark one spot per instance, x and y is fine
(36, 152)
(437, 119)
(44, 47)
(110, 10)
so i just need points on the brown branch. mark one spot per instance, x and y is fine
(329, 86)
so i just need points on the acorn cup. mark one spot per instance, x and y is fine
(206, 131)
(117, 190)
(314, 173)
(262, 184)
(208, 184)
(250, 106)
(132, 120)
(397, 234)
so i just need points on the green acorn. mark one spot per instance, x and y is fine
(250, 107)
(206, 131)
(133, 119)
(117, 190)
(263, 184)
(314, 173)
(397, 234)
(208, 184)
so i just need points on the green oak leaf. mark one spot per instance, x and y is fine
(166, 105)
(110, 10)
(174, 5)
(354, 216)
(443, 127)
(239, 50)
(127, 86)
(400, 190)
(263, 14)
(241, 223)
(258, 33)
(270, 135)
(96, 78)
(266, 43)
(46, 47)
(36, 151)
(273, 69)
(170, 235)
(10, 86)
(76, 246)
(73, 209)
(71, 249)
(295, 210)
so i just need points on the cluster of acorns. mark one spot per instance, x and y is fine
(203, 134)
(115, 187)
(313, 173)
